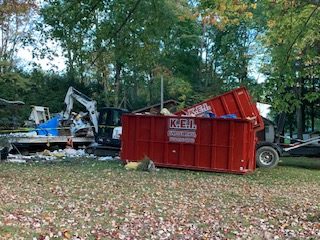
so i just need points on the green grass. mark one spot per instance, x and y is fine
(301, 162)
(101, 200)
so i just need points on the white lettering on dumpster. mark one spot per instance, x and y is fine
(182, 130)
(199, 109)
(182, 123)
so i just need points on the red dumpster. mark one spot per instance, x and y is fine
(237, 101)
(222, 145)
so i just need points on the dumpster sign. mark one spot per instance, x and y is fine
(182, 130)
(199, 109)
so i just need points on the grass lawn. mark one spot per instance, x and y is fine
(101, 200)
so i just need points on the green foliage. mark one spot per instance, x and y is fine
(292, 40)
(110, 42)
(179, 88)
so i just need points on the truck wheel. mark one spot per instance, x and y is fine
(267, 157)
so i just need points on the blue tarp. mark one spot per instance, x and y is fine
(210, 114)
(233, 116)
(49, 128)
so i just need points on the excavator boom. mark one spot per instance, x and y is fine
(88, 103)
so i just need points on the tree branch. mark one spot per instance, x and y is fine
(128, 16)
(132, 10)
(299, 34)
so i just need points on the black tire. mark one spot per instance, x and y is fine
(267, 157)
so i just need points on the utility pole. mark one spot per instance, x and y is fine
(161, 92)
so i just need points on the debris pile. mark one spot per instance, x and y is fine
(57, 155)
(107, 158)
(47, 155)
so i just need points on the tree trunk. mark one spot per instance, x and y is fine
(202, 45)
(312, 117)
(303, 112)
(70, 69)
(300, 108)
(150, 87)
(291, 131)
(299, 122)
(312, 113)
(117, 83)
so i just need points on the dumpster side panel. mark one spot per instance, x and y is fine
(223, 145)
(142, 136)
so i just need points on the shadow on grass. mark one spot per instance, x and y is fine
(300, 162)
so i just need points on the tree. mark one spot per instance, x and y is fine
(15, 20)
(293, 41)
(114, 44)
(228, 32)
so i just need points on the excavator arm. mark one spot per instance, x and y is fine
(88, 103)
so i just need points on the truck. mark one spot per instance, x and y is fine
(270, 146)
